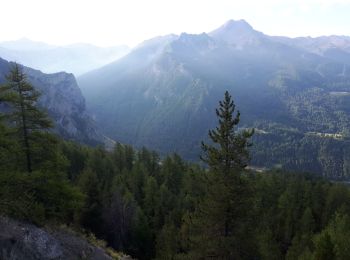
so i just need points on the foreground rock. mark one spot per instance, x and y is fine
(25, 241)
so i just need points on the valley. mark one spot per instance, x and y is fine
(163, 93)
(198, 142)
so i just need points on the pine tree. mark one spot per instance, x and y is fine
(24, 116)
(218, 227)
(229, 151)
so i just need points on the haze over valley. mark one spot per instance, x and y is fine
(175, 130)
(292, 90)
(76, 58)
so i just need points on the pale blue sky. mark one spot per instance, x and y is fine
(111, 22)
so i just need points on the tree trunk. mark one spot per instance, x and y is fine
(25, 132)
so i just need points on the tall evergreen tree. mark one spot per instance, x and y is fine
(24, 116)
(218, 225)
(229, 151)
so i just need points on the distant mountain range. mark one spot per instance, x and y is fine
(62, 99)
(294, 91)
(75, 58)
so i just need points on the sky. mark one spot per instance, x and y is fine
(114, 22)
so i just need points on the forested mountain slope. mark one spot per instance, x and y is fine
(162, 95)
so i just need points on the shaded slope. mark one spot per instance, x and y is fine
(163, 95)
(63, 100)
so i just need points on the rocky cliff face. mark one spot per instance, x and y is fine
(64, 102)
(24, 241)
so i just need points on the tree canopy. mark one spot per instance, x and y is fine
(24, 117)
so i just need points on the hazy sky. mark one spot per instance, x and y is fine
(111, 22)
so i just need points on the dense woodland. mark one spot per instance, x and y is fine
(166, 208)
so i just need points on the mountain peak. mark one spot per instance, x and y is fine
(237, 25)
(237, 32)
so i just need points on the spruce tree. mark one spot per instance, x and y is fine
(23, 116)
(218, 227)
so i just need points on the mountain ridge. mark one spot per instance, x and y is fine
(164, 96)
(75, 58)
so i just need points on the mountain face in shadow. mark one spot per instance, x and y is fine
(295, 92)
(64, 102)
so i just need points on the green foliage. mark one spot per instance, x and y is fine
(9, 150)
(169, 209)
(24, 117)
(154, 208)
(333, 241)
(39, 196)
(231, 153)
(45, 194)
(153, 211)
(302, 151)
(324, 247)
(219, 224)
